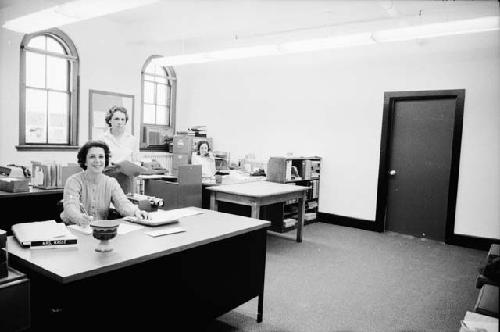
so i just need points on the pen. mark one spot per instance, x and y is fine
(82, 209)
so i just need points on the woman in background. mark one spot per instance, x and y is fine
(88, 194)
(205, 158)
(123, 146)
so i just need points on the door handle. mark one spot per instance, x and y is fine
(392, 172)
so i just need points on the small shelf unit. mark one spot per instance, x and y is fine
(301, 171)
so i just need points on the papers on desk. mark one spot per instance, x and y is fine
(166, 231)
(162, 217)
(43, 234)
(474, 322)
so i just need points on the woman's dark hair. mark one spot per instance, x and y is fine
(200, 143)
(84, 150)
(112, 111)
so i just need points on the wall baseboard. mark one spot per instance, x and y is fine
(331, 218)
(370, 225)
(468, 241)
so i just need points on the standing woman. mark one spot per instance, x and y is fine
(122, 145)
(88, 194)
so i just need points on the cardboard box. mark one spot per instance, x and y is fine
(14, 185)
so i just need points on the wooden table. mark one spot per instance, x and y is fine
(257, 194)
(166, 282)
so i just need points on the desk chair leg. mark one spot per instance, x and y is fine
(300, 218)
(260, 308)
(213, 202)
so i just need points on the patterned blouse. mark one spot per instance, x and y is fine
(94, 197)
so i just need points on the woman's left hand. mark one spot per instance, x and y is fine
(142, 214)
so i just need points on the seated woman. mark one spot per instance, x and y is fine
(87, 194)
(205, 158)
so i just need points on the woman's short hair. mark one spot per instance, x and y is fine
(112, 111)
(84, 150)
(200, 143)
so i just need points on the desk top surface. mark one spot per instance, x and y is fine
(32, 191)
(70, 264)
(258, 188)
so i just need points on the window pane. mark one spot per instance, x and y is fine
(150, 68)
(35, 70)
(58, 117)
(36, 101)
(149, 113)
(161, 94)
(37, 42)
(54, 46)
(161, 115)
(159, 71)
(57, 73)
(161, 79)
(149, 92)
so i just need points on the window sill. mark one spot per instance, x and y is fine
(47, 147)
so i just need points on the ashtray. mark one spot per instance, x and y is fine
(104, 230)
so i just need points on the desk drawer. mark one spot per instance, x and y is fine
(15, 302)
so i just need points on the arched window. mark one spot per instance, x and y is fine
(158, 104)
(48, 99)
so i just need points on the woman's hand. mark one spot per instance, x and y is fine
(85, 221)
(142, 214)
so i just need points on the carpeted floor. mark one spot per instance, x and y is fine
(346, 279)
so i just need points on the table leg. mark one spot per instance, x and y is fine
(213, 202)
(300, 217)
(255, 210)
(260, 308)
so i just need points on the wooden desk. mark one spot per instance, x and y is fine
(213, 267)
(33, 205)
(260, 193)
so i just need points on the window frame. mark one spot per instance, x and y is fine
(74, 80)
(172, 77)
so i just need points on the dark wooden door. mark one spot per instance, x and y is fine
(419, 163)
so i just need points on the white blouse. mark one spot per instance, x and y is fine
(207, 164)
(124, 148)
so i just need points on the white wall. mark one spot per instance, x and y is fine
(328, 104)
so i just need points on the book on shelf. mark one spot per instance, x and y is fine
(43, 234)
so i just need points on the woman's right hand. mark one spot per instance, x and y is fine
(85, 221)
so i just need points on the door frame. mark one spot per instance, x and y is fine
(387, 122)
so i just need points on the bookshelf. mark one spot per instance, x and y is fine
(302, 171)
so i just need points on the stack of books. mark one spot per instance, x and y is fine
(44, 234)
(198, 131)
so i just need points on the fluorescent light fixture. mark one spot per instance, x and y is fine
(488, 23)
(225, 54)
(318, 44)
(483, 24)
(70, 12)
(307, 45)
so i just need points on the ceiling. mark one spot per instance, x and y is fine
(170, 21)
